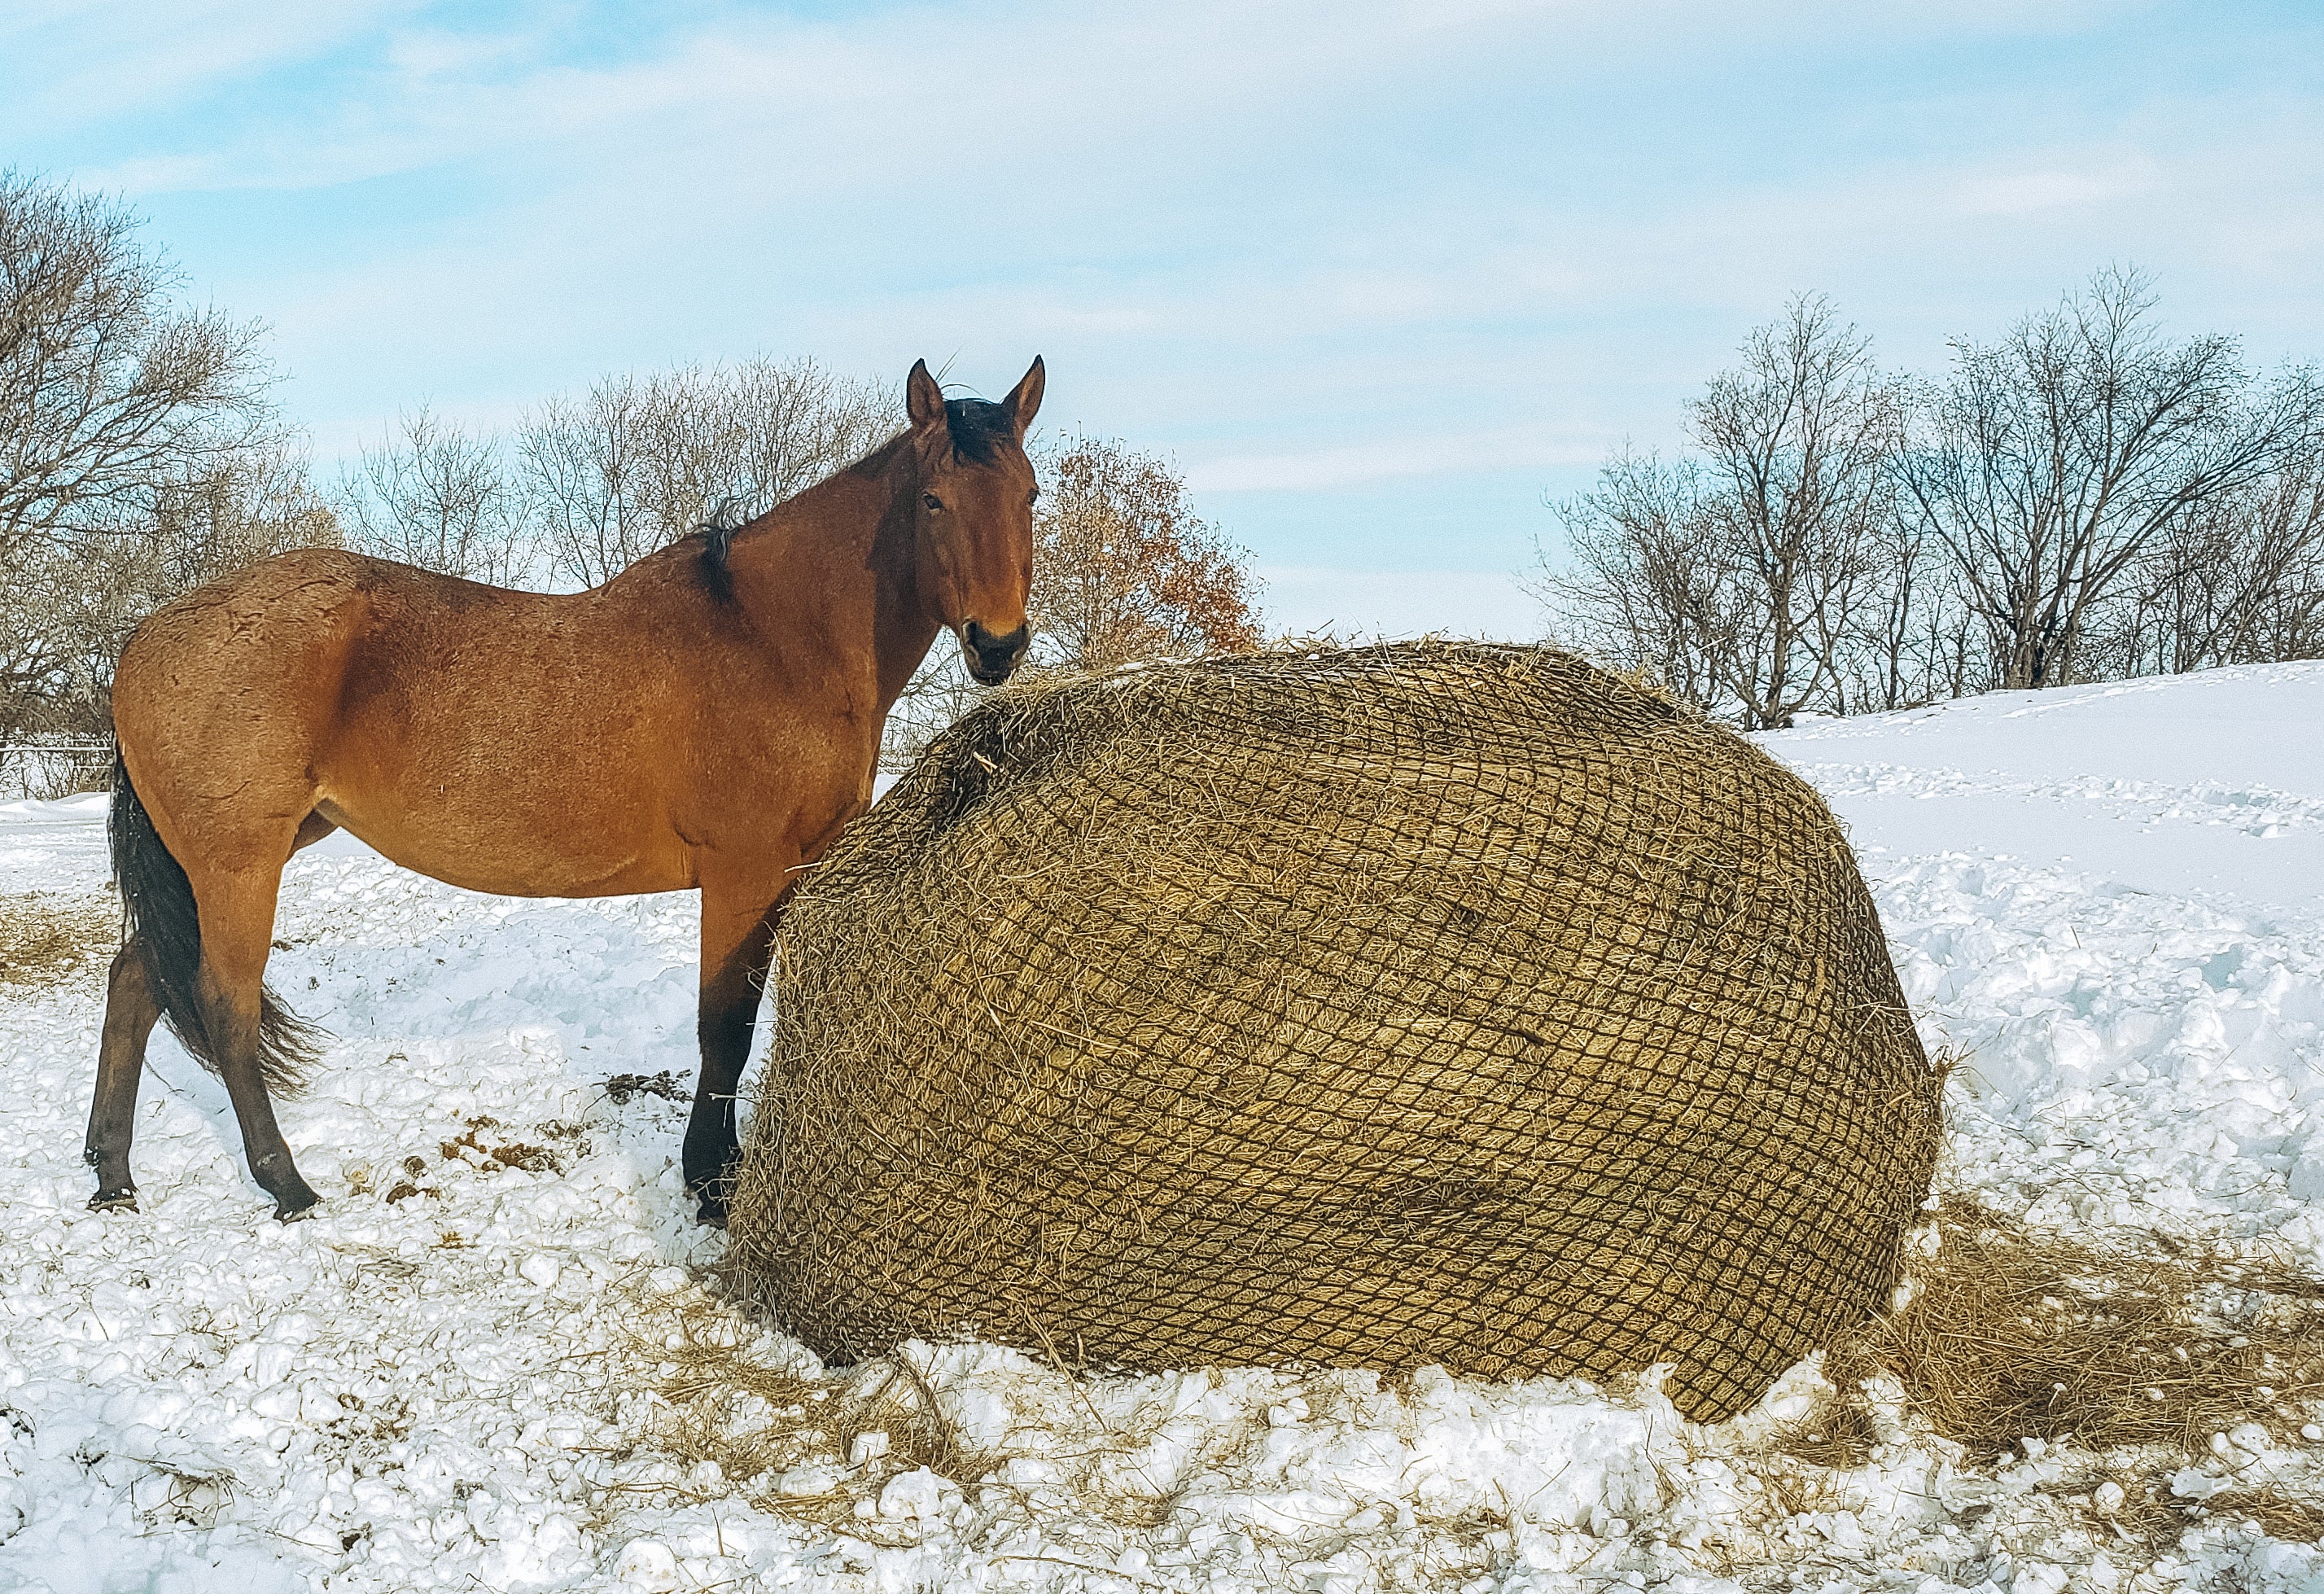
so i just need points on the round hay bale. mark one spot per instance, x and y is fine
(1430, 1003)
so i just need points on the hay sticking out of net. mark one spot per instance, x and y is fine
(1428, 1003)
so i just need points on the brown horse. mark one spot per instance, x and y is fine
(706, 721)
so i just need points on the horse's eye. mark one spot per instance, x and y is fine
(932, 501)
(1034, 496)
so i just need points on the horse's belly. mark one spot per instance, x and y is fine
(568, 861)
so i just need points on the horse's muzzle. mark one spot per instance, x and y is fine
(991, 660)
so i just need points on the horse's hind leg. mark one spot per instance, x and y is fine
(130, 1014)
(237, 917)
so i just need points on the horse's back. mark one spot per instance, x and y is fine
(306, 599)
(440, 720)
(272, 649)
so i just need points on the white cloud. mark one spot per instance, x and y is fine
(952, 97)
(75, 63)
(822, 104)
(2029, 193)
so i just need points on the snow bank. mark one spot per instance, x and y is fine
(2110, 900)
(460, 1373)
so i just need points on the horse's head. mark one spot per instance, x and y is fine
(974, 517)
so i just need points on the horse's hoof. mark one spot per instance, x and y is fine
(124, 1200)
(287, 1212)
(711, 1213)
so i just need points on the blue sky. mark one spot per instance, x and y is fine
(1379, 276)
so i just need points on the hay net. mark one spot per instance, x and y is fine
(1423, 1003)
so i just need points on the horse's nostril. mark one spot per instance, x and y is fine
(997, 654)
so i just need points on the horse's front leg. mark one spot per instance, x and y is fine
(738, 942)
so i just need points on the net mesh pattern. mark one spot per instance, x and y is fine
(1427, 1003)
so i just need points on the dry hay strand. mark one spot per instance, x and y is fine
(1433, 1003)
(2012, 1332)
(755, 1420)
(1838, 1433)
(718, 1402)
(729, 1408)
(2276, 1515)
(45, 935)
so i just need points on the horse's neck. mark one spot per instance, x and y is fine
(838, 561)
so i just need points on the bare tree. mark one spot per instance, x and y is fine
(139, 454)
(70, 605)
(2238, 579)
(110, 393)
(1905, 628)
(2047, 463)
(40, 650)
(439, 496)
(640, 461)
(1745, 578)
(1647, 587)
(2279, 614)
(1798, 439)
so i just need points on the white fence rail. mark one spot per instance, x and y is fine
(51, 768)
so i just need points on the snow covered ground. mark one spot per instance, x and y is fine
(475, 1368)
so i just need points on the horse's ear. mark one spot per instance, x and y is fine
(922, 399)
(1024, 400)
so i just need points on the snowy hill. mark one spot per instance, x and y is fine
(468, 1369)
(2192, 785)
(2111, 898)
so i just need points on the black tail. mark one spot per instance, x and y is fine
(157, 906)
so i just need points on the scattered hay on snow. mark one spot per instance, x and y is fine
(1426, 1004)
(2012, 1332)
(46, 935)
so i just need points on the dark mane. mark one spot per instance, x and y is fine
(980, 429)
(717, 536)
